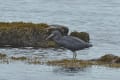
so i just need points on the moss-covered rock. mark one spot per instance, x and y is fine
(82, 35)
(22, 58)
(109, 58)
(70, 63)
(2, 56)
(20, 34)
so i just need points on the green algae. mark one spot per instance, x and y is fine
(17, 25)
(2, 55)
(51, 44)
(81, 63)
(19, 58)
(70, 63)
(107, 60)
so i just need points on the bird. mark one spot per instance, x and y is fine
(69, 42)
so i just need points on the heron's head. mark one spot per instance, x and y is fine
(55, 34)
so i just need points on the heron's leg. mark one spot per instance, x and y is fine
(74, 55)
(74, 59)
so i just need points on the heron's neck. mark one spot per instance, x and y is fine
(57, 38)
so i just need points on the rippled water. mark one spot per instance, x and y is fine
(38, 72)
(100, 18)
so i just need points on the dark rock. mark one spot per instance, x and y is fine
(82, 35)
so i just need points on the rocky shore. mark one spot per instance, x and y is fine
(21, 34)
(108, 60)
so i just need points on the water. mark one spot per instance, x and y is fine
(100, 18)
(37, 72)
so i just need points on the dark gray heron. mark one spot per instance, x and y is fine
(69, 42)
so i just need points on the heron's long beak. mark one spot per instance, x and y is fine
(51, 35)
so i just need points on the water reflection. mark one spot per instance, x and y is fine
(70, 71)
(4, 61)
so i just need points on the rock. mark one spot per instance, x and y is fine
(82, 35)
(20, 34)
(110, 58)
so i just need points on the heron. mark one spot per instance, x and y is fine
(69, 42)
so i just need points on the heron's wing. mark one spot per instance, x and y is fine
(71, 42)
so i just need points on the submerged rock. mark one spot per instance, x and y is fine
(82, 35)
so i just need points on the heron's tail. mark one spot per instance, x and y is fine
(89, 45)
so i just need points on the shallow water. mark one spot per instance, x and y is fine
(20, 71)
(100, 18)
